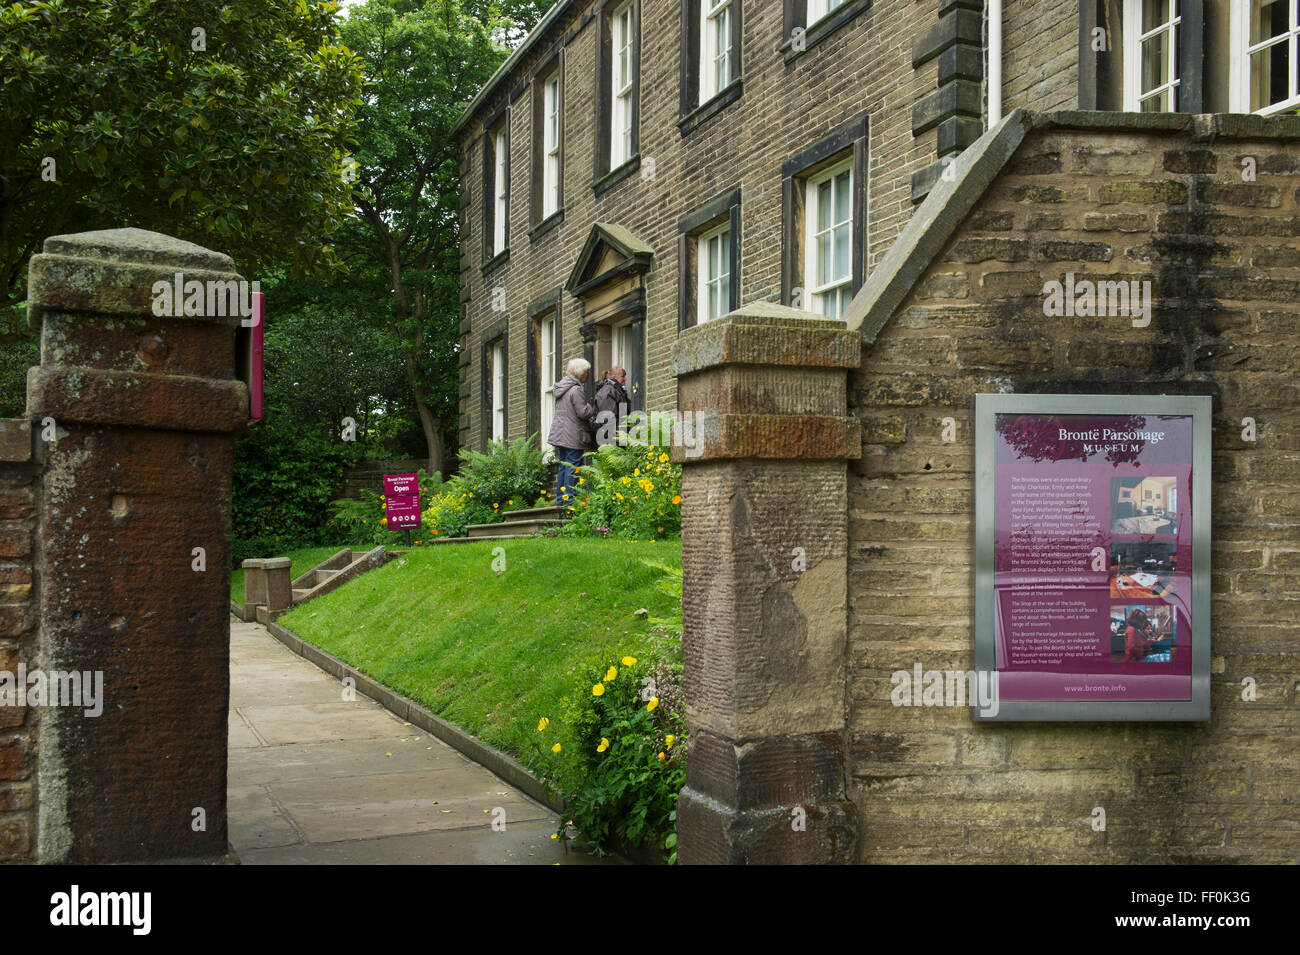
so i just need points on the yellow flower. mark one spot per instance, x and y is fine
(663, 458)
(629, 661)
(654, 701)
(580, 480)
(598, 690)
(668, 740)
(604, 745)
(556, 748)
(619, 496)
(542, 724)
(610, 674)
(636, 472)
(661, 755)
(555, 835)
(677, 499)
(625, 480)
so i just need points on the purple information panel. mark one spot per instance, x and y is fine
(1093, 523)
(402, 501)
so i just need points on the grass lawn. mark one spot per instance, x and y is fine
(494, 651)
(303, 561)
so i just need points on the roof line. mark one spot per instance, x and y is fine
(511, 61)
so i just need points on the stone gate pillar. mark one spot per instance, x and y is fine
(135, 545)
(764, 552)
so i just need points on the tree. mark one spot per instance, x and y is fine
(424, 62)
(223, 122)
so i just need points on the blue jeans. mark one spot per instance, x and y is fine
(569, 458)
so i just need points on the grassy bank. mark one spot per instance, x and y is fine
(491, 649)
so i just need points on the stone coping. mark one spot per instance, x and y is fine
(949, 202)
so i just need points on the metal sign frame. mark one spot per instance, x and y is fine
(986, 409)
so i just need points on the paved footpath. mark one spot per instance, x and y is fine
(316, 779)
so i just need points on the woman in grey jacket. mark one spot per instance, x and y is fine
(571, 427)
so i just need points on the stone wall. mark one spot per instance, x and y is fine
(19, 498)
(1158, 198)
(1040, 54)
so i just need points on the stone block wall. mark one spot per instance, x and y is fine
(19, 499)
(1158, 198)
(1040, 54)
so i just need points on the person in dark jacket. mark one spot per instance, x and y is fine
(571, 427)
(612, 405)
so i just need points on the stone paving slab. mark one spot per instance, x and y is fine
(528, 843)
(316, 779)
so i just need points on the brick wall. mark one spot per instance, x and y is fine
(865, 67)
(18, 489)
(1161, 204)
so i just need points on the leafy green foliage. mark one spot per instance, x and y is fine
(630, 492)
(424, 62)
(628, 759)
(508, 477)
(239, 146)
(282, 484)
(16, 357)
(362, 520)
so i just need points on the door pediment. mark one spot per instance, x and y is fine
(610, 254)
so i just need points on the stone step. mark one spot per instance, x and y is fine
(510, 528)
(299, 594)
(554, 513)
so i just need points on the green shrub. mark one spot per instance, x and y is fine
(630, 492)
(281, 489)
(508, 477)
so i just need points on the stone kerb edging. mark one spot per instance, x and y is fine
(404, 708)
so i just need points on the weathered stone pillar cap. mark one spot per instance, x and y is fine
(277, 563)
(767, 334)
(113, 271)
(254, 563)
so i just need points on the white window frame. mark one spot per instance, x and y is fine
(1242, 49)
(620, 345)
(706, 279)
(551, 145)
(815, 293)
(546, 334)
(819, 9)
(715, 47)
(498, 390)
(1134, 96)
(500, 190)
(622, 83)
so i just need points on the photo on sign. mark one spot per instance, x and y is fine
(1143, 505)
(1143, 633)
(1142, 570)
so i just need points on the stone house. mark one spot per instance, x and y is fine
(636, 168)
